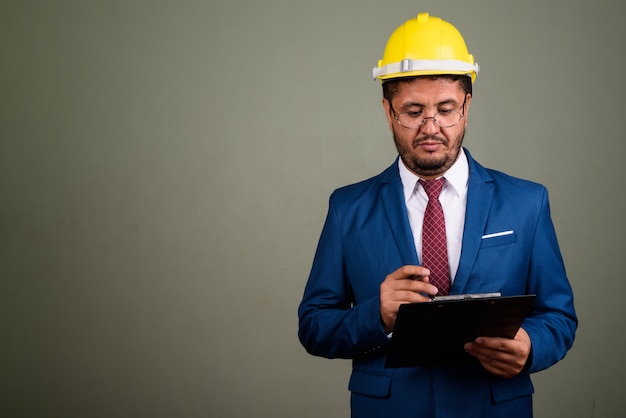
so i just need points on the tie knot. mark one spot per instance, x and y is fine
(433, 187)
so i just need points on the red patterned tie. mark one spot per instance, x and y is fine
(434, 247)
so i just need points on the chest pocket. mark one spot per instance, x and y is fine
(498, 239)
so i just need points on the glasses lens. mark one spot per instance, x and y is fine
(443, 119)
(447, 119)
(410, 119)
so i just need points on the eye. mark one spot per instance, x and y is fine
(445, 111)
(414, 114)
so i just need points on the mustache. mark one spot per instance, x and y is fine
(429, 138)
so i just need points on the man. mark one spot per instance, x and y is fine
(374, 253)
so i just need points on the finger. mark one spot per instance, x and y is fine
(417, 287)
(499, 363)
(410, 272)
(408, 296)
(400, 281)
(501, 368)
(494, 343)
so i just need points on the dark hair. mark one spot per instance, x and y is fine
(390, 87)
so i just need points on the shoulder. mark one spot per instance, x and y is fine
(369, 188)
(515, 184)
(501, 181)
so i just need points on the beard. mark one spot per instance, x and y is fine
(430, 165)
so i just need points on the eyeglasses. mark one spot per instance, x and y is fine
(443, 118)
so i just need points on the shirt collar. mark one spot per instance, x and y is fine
(456, 177)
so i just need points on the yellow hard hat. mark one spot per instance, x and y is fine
(426, 45)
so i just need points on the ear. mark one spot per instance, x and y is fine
(468, 100)
(387, 108)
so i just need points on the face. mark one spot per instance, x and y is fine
(428, 151)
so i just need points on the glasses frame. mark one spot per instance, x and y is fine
(396, 116)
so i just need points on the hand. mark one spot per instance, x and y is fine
(502, 357)
(408, 284)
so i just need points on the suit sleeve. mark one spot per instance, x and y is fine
(330, 324)
(553, 323)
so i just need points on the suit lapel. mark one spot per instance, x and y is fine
(392, 197)
(479, 196)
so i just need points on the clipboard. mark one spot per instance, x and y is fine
(433, 333)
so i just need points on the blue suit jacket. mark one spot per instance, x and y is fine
(367, 235)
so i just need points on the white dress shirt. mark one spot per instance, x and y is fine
(453, 198)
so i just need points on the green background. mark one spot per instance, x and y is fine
(164, 174)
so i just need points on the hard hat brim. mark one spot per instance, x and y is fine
(411, 68)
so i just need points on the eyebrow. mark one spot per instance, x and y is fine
(407, 105)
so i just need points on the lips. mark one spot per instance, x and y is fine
(429, 145)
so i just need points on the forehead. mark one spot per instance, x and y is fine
(429, 90)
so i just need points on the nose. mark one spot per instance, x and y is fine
(429, 125)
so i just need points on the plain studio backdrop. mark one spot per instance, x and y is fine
(165, 168)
